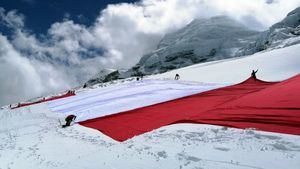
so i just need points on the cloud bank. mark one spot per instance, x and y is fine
(32, 65)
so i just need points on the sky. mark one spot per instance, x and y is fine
(43, 13)
(48, 46)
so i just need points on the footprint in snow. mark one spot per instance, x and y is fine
(162, 154)
(262, 136)
(222, 148)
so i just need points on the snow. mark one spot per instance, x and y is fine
(272, 65)
(31, 137)
(37, 141)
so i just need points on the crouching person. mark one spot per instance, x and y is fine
(69, 119)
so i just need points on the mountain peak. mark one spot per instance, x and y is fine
(222, 20)
(295, 11)
(200, 41)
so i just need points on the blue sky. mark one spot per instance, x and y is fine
(41, 14)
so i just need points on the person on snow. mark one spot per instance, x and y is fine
(69, 119)
(84, 86)
(253, 74)
(177, 77)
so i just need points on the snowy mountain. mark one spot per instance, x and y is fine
(212, 39)
(31, 137)
(100, 77)
(200, 41)
(282, 34)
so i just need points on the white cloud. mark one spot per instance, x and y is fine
(135, 29)
(22, 78)
(70, 53)
(11, 19)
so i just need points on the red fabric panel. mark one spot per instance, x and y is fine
(45, 100)
(284, 95)
(250, 104)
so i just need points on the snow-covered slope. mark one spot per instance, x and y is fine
(30, 137)
(272, 65)
(200, 41)
(99, 77)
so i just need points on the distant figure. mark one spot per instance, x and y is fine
(69, 119)
(85, 85)
(253, 74)
(71, 92)
(177, 77)
(137, 79)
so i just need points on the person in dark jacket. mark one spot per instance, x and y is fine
(69, 119)
(84, 86)
(253, 74)
(177, 77)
